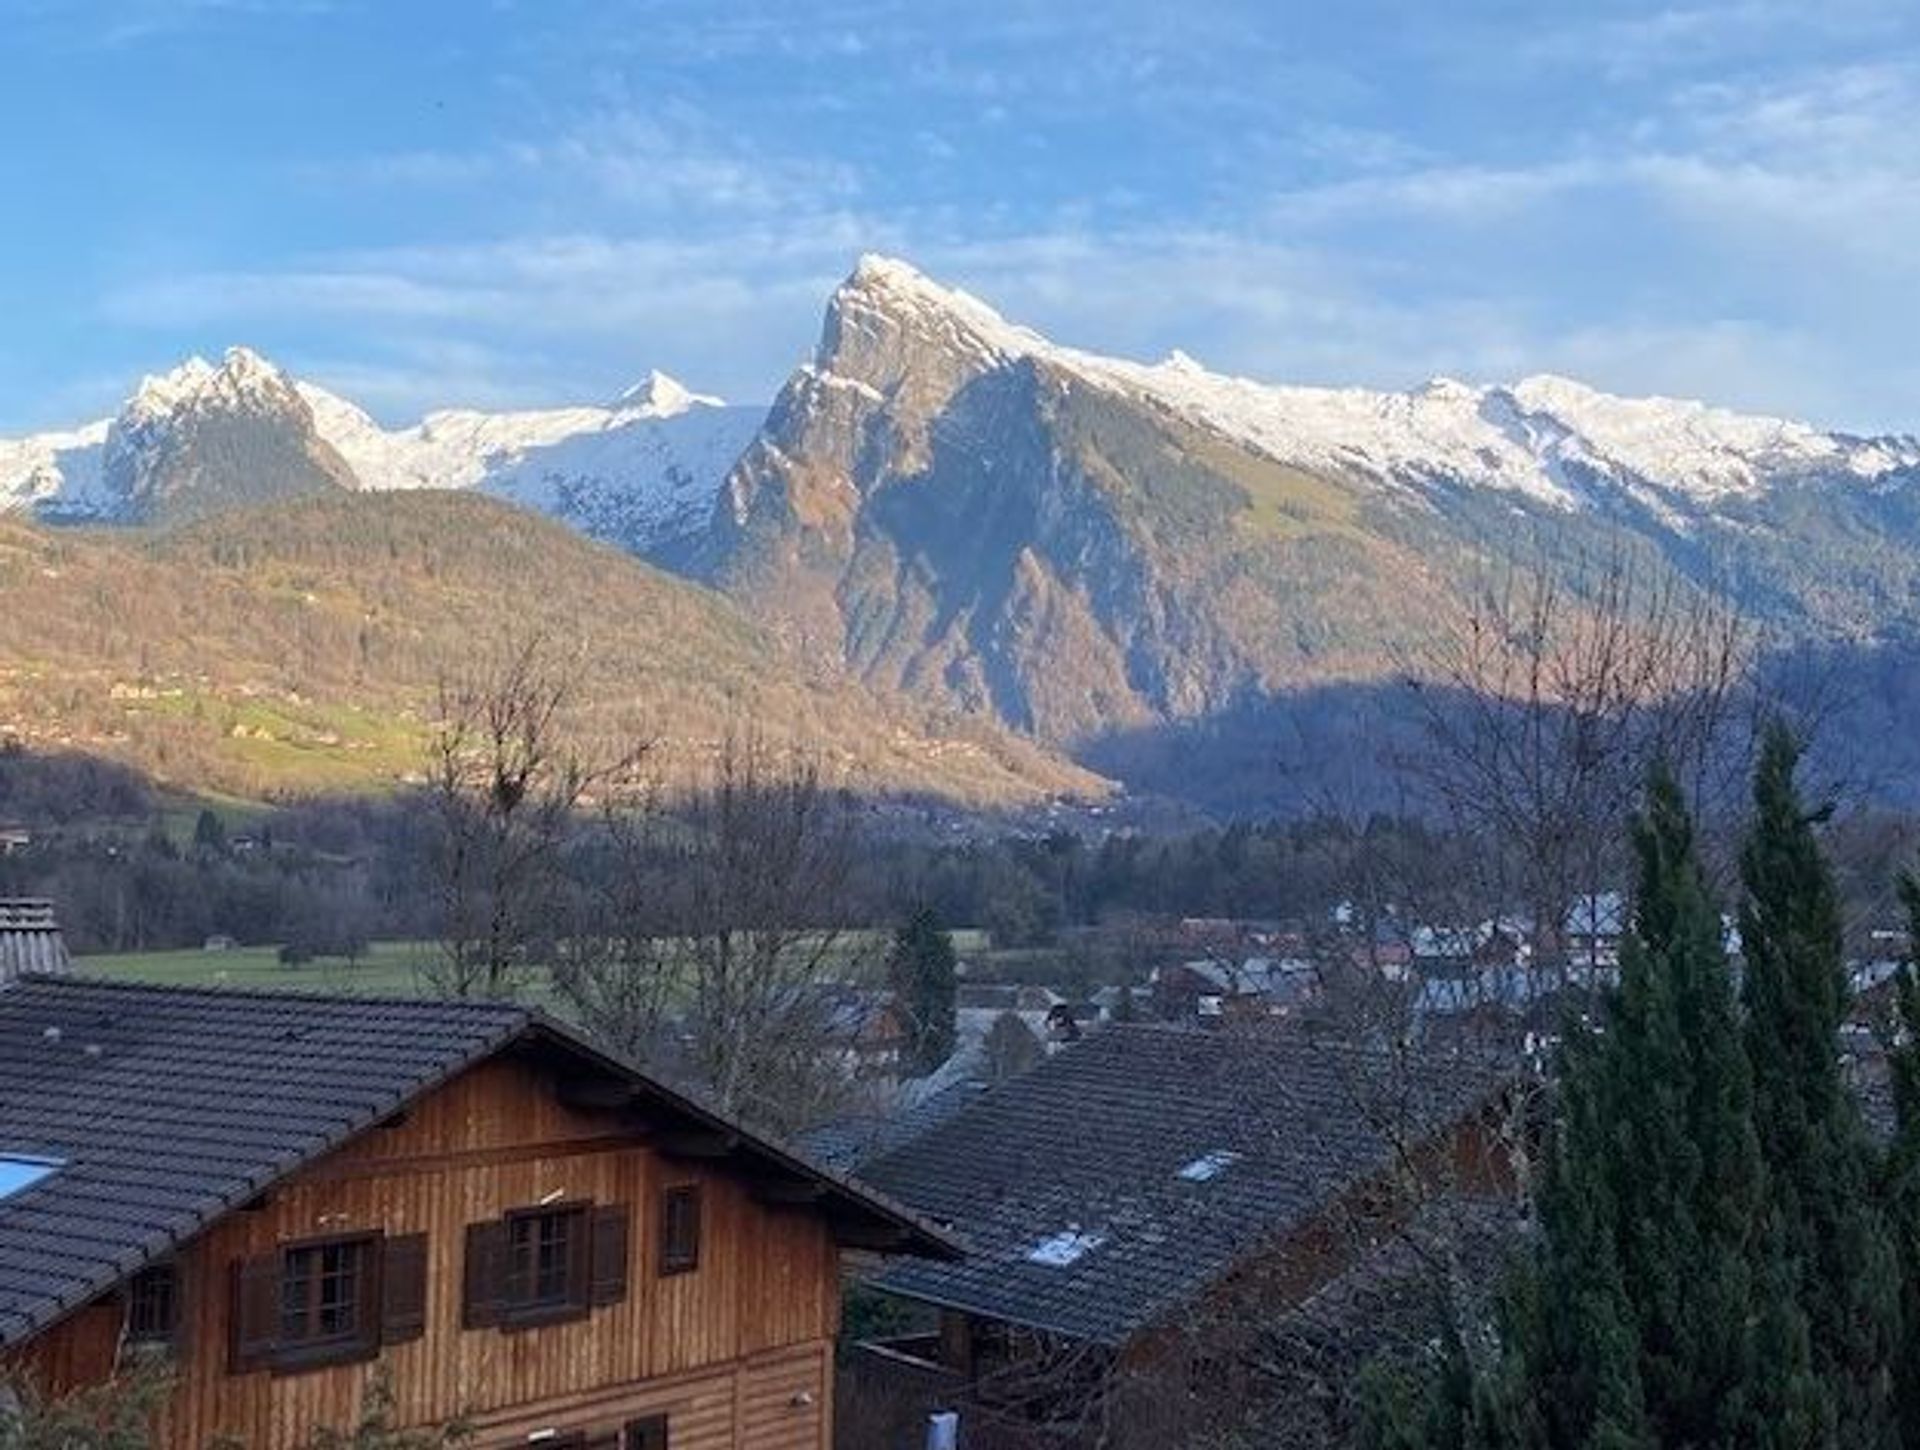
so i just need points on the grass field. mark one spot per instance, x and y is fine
(395, 968)
(387, 969)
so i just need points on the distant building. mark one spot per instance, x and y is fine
(1593, 928)
(991, 996)
(30, 940)
(1215, 990)
(863, 1026)
(14, 839)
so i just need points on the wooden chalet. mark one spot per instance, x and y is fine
(280, 1192)
(1144, 1206)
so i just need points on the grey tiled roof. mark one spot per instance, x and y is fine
(168, 1107)
(1092, 1143)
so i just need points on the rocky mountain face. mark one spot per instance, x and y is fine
(641, 472)
(1124, 562)
(189, 443)
(1083, 546)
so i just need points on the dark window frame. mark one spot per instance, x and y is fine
(522, 1307)
(152, 1297)
(310, 1344)
(681, 1219)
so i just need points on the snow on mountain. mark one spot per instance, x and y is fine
(641, 472)
(47, 467)
(1553, 439)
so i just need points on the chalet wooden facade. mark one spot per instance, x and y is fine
(527, 1236)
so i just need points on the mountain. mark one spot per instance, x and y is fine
(1138, 566)
(641, 472)
(1083, 546)
(297, 648)
(188, 443)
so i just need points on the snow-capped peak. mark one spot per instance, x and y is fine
(1545, 436)
(241, 374)
(640, 472)
(660, 396)
(899, 290)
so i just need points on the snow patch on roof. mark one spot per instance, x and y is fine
(1066, 1247)
(1209, 1166)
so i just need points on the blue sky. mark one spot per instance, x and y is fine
(423, 203)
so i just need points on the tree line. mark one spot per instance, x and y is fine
(1723, 1254)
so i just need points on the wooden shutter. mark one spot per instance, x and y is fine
(403, 1288)
(608, 1262)
(253, 1313)
(647, 1434)
(484, 1283)
(370, 1265)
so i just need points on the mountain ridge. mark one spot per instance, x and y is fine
(1082, 545)
(949, 507)
(639, 472)
(1540, 434)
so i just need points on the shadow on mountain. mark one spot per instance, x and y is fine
(1364, 748)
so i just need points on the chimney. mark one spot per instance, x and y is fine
(30, 940)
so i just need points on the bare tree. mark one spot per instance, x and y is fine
(505, 784)
(721, 950)
(1543, 709)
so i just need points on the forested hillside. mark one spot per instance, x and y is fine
(297, 648)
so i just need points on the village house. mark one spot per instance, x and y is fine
(1139, 1205)
(1231, 989)
(1594, 925)
(279, 1192)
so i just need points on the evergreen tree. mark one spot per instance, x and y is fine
(209, 835)
(924, 973)
(1650, 1320)
(1902, 1170)
(1819, 1163)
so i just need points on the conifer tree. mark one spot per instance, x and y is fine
(924, 972)
(1901, 1175)
(1652, 1319)
(1819, 1163)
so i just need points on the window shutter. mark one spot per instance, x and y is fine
(647, 1434)
(370, 1295)
(403, 1288)
(253, 1313)
(609, 1261)
(484, 1296)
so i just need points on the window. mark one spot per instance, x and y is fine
(153, 1306)
(680, 1229)
(324, 1295)
(547, 1259)
(646, 1434)
(19, 1172)
(544, 1265)
(326, 1301)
